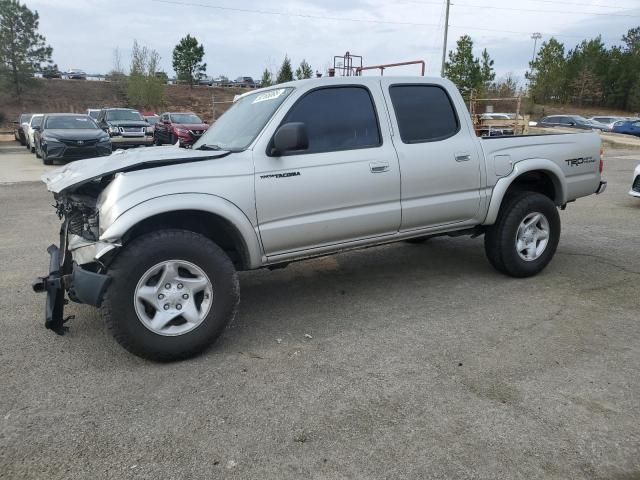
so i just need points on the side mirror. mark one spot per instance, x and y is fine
(290, 137)
(572, 124)
(36, 128)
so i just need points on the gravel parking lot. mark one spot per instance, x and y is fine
(403, 361)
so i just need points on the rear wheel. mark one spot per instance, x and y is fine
(172, 293)
(525, 236)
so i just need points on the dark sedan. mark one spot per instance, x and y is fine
(628, 127)
(70, 136)
(571, 121)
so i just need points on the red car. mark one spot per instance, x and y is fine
(185, 127)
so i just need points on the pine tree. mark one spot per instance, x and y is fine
(22, 49)
(462, 68)
(548, 73)
(187, 59)
(487, 74)
(267, 78)
(304, 71)
(285, 74)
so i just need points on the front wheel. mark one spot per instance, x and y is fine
(525, 236)
(171, 295)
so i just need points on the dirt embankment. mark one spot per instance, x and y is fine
(48, 96)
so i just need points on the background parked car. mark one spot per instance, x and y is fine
(93, 113)
(628, 127)
(245, 82)
(51, 74)
(36, 121)
(126, 127)
(609, 121)
(152, 119)
(204, 79)
(75, 74)
(70, 136)
(19, 127)
(185, 127)
(571, 121)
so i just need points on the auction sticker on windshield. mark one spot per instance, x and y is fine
(270, 95)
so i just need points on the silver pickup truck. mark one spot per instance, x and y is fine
(154, 236)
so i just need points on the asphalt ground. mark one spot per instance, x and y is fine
(402, 361)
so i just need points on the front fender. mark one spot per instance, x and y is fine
(188, 201)
(532, 164)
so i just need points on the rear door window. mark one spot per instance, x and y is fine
(424, 113)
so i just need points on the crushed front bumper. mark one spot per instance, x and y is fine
(83, 286)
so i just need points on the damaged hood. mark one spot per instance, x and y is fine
(80, 172)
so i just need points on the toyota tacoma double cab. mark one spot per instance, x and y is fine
(154, 237)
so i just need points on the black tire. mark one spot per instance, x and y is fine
(118, 310)
(38, 154)
(500, 238)
(172, 139)
(33, 149)
(156, 141)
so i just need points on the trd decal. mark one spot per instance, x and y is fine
(281, 175)
(574, 162)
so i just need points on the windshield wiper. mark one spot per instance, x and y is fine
(210, 147)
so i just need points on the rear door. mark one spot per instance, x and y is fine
(344, 187)
(440, 161)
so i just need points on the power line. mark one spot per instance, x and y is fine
(552, 2)
(352, 20)
(288, 14)
(491, 7)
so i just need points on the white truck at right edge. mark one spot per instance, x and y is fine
(155, 236)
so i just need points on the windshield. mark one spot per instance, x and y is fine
(36, 121)
(152, 120)
(185, 118)
(123, 115)
(82, 122)
(240, 125)
(25, 117)
(94, 114)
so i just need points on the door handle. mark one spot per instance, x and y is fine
(378, 167)
(463, 157)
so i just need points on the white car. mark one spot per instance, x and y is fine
(635, 185)
(36, 121)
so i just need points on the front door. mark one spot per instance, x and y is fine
(438, 154)
(345, 186)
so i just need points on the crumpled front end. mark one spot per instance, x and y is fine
(76, 266)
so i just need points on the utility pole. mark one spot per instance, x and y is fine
(535, 37)
(446, 32)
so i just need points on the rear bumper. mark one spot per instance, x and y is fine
(601, 188)
(83, 286)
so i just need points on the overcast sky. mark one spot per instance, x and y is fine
(242, 38)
